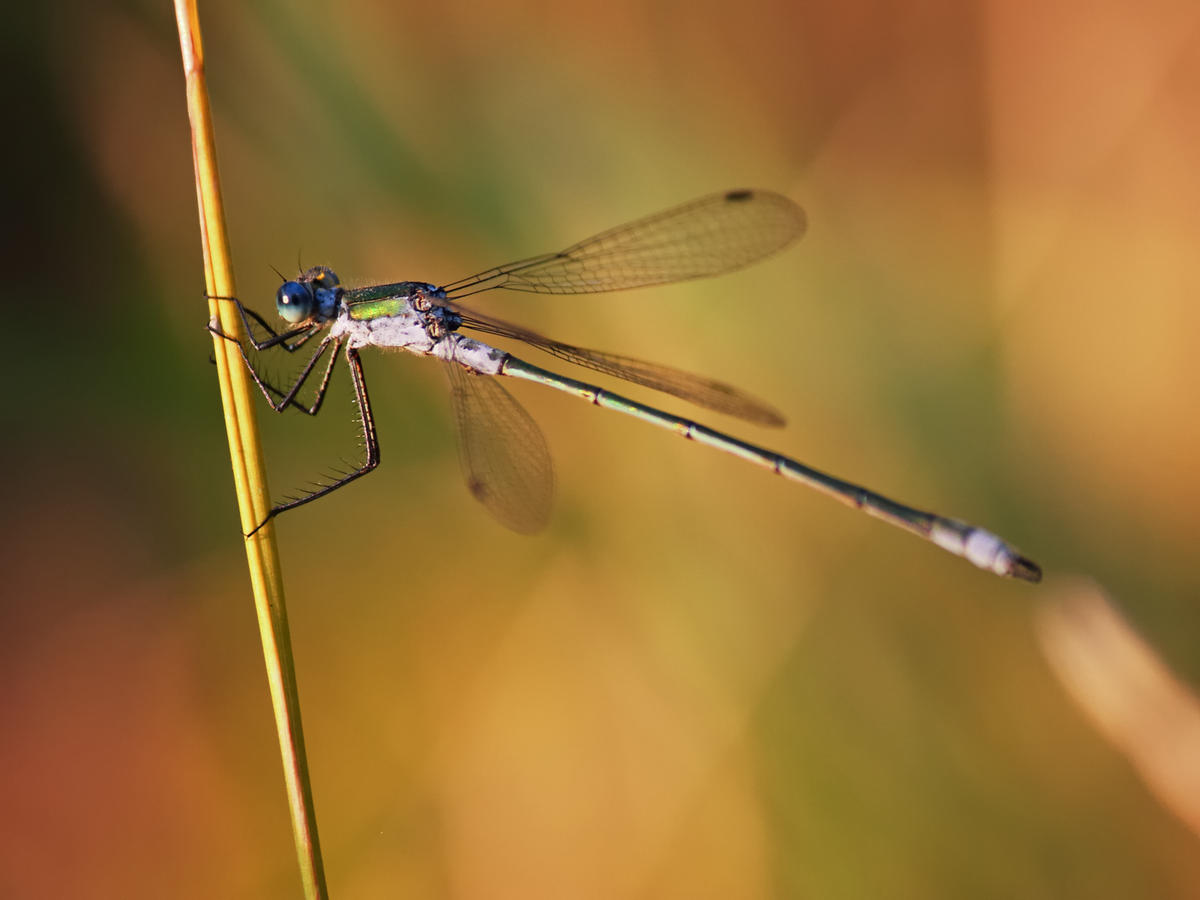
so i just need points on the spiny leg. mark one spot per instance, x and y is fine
(288, 397)
(302, 333)
(269, 389)
(370, 440)
(275, 340)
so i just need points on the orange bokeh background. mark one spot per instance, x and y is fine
(702, 681)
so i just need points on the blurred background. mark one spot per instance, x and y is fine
(702, 681)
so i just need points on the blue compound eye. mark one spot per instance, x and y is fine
(294, 302)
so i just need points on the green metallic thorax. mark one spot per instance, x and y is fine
(380, 300)
(375, 309)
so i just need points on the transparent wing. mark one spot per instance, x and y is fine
(714, 234)
(503, 454)
(706, 392)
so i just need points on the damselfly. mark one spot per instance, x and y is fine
(503, 453)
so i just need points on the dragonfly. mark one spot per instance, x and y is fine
(503, 454)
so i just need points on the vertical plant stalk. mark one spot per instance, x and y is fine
(249, 475)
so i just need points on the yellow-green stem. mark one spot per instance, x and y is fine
(249, 476)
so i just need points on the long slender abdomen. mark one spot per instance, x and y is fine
(980, 547)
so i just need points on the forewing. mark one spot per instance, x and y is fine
(709, 236)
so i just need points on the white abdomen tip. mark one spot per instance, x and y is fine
(979, 547)
(987, 551)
